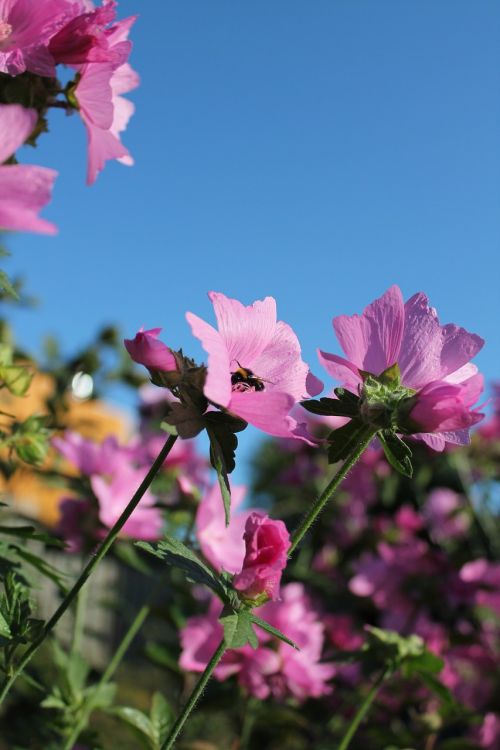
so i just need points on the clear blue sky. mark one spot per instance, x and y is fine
(315, 151)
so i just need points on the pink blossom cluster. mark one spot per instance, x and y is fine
(34, 39)
(274, 668)
(112, 473)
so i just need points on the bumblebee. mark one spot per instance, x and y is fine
(244, 379)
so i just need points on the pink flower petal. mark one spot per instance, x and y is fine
(341, 369)
(372, 340)
(266, 410)
(218, 382)
(245, 330)
(16, 124)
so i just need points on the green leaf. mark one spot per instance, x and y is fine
(238, 629)
(436, 687)
(161, 655)
(175, 553)
(218, 461)
(29, 532)
(7, 287)
(397, 452)
(45, 568)
(273, 631)
(16, 379)
(332, 407)
(345, 438)
(162, 718)
(135, 719)
(5, 631)
(425, 662)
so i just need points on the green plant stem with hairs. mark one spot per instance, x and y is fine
(94, 561)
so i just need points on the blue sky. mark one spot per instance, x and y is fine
(315, 151)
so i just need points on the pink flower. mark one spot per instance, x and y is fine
(267, 543)
(222, 545)
(83, 39)
(113, 496)
(484, 578)
(147, 350)
(25, 30)
(89, 457)
(103, 109)
(446, 407)
(24, 190)
(489, 733)
(255, 368)
(274, 668)
(72, 521)
(445, 513)
(429, 356)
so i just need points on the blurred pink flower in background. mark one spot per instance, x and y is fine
(445, 513)
(24, 189)
(274, 668)
(250, 337)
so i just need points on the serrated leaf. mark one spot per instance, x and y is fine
(162, 718)
(273, 631)
(397, 452)
(344, 439)
(175, 553)
(332, 407)
(238, 629)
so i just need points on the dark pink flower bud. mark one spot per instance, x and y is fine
(444, 407)
(267, 543)
(147, 350)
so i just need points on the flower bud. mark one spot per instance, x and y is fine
(267, 543)
(147, 350)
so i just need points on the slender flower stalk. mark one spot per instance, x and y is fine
(327, 493)
(362, 711)
(120, 652)
(94, 561)
(194, 697)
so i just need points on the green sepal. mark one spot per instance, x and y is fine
(343, 440)
(238, 629)
(397, 452)
(176, 554)
(272, 631)
(333, 407)
(391, 376)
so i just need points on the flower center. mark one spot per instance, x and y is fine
(5, 30)
(243, 380)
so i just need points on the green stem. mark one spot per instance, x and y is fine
(89, 568)
(120, 652)
(79, 624)
(194, 697)
(362, 711)
(327, 493)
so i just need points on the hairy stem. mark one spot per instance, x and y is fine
(362, 711)
(194, 697)
(94, 561)
(330, 489)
